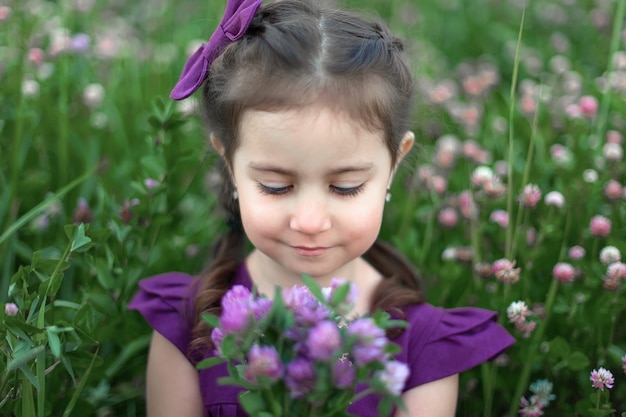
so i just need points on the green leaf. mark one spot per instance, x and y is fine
(339, 294)
(253, 402)
(22, 357)
(577, 361)
(54, 342)
(81, 386)
(384, 406)
(314, 288)
(209, 362)
(80, 240)
(211, 319)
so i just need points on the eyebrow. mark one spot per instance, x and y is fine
(363, 167)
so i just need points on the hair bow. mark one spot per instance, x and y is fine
(236, 20)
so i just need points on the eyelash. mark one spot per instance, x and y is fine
(341, 191)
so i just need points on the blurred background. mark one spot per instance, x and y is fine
(104, 181)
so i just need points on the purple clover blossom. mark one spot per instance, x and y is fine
(346, 305)
(236, 319)
(80, 43)
(394, 376)
(217, 335)
(300, 377)
(323, 340)
(261, 307)
(371, 340)
(602, 378)
(11, 309)
(624, 363)
(306, 308)
(236, 310)
(343, 373)
(263, 361)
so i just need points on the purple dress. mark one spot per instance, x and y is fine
(438, 342)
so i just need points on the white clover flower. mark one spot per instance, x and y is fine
(30, 88)
(609, 255)
(93, 94)
(554, 198)
(612, 152)
(590, 176)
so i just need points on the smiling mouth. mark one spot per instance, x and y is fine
(309, 251)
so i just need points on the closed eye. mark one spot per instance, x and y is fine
(265, 189)
(347, 191)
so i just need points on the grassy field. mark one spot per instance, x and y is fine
(515, 199)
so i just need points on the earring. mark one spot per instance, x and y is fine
(235, 195)
(388, 196)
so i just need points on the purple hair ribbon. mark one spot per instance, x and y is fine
(234, 24)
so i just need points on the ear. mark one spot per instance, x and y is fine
(217, 145)
(405, 146)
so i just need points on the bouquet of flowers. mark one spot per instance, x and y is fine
(299, 354)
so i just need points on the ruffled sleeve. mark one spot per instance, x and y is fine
(440, 342)
(164, 301)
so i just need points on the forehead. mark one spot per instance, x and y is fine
(302, 133)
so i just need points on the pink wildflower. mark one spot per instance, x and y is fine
(613, 136)
(613, 190)
(505, 271)
(600, 226)
(447, 217)
(11, 309)
(530, 408)
(468, 208)
(602, 378)
(36, 56)
(500, 217)
(576, 252)
(616, 271)
(563, 272)
(5, 13)
(531, 195)
(624, 363)
(588, 105)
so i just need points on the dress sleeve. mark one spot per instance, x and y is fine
(446, 342)
(164, 301)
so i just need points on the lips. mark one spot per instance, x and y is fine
(309, 250)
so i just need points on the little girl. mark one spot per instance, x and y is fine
(309, 108)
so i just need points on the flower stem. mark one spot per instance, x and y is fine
(618, 23)
(511, 151)
(522, 382)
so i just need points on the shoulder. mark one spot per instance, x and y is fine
(166, 302)
(441, 342)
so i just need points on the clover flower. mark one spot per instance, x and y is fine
(263, 361)
(602, 378)
(610, 254)
(343, 373)
(624, 363)
(613, 190)
(11, 309)
(530, 408)
(448, 217)
(300, 376)
(531, 195)
(500, 217)
(588, 106)
(564, 272)
(307, 310)
(517, 311)
(600, 226)
(616, 271)
(554, 198)
(505, 271)
(576, 253)
(542, 389)
(394, 376)
(291, 355)
(323, 340)
(370, 340)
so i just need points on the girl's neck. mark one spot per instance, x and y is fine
(266, 278)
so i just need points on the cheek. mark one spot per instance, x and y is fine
(363, 221)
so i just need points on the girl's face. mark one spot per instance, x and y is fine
(311, 186)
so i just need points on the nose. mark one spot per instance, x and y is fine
(310, 216)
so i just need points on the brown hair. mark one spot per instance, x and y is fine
(296, 53)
